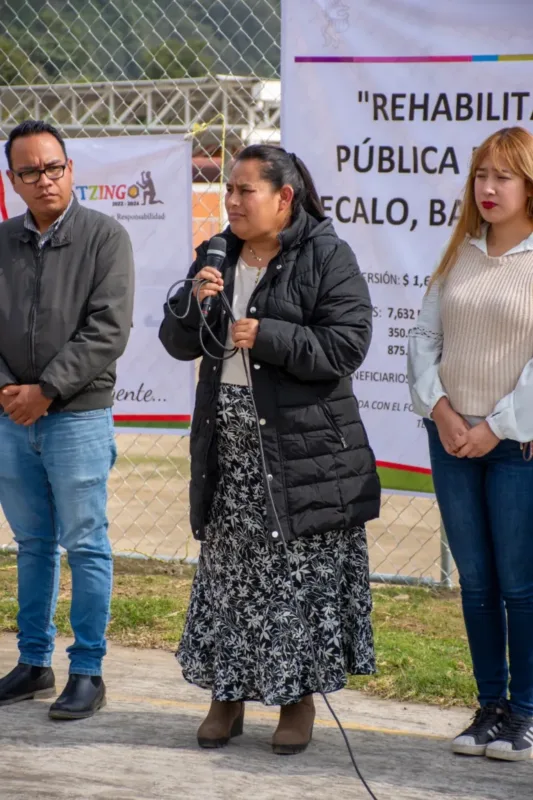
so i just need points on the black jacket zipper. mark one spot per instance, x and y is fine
(33, 312)
(332, 422)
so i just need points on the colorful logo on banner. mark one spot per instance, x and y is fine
(122, 194)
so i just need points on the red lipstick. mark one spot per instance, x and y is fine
(487, 204)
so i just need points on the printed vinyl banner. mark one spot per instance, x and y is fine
(145, 183)
(385, 100)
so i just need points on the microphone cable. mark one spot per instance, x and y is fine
(299, 610)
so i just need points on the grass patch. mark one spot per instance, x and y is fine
(147, 610)
(422, 651)
(421, 647)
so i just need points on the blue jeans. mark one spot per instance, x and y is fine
(53, 491)
(487, 510)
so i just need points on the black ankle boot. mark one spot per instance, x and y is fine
(82, 697)
(25, 683)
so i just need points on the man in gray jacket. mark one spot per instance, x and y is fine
(66, 304)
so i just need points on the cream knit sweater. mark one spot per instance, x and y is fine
(487, 327)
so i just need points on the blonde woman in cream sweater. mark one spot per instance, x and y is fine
(471, 378)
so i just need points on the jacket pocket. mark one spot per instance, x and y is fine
(335, 427)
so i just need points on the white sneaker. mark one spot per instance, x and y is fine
(485, 728)
(515, 739)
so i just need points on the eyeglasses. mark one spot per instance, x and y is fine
(53, 173)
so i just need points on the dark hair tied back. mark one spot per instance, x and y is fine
(281, 168)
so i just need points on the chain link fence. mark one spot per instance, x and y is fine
(210, 71)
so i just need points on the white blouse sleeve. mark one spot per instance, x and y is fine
(512, 417)
(424, 354)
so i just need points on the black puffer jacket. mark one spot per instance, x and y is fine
(314, 332)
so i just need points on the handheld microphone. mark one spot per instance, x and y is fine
(216, 255)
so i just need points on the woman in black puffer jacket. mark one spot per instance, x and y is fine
(303, 324)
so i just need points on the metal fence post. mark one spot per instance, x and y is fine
(446, 560)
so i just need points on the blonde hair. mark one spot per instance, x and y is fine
(509, 148)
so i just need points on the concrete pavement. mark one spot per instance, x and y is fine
(142, 747)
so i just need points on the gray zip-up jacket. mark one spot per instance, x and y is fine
(66, 310)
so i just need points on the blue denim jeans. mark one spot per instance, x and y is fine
(487, 509)
(53, 491)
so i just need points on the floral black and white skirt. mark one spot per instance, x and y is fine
(243, 638)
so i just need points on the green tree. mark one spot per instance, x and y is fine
(248, 33)
(15, 67)
(54, 40)
(176, 59)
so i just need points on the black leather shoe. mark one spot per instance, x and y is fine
(82, 697)
(25, 683)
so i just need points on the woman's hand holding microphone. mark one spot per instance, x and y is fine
(210, 289)
(244, 331)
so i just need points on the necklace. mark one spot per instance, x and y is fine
(252, 251)
(258, 271)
